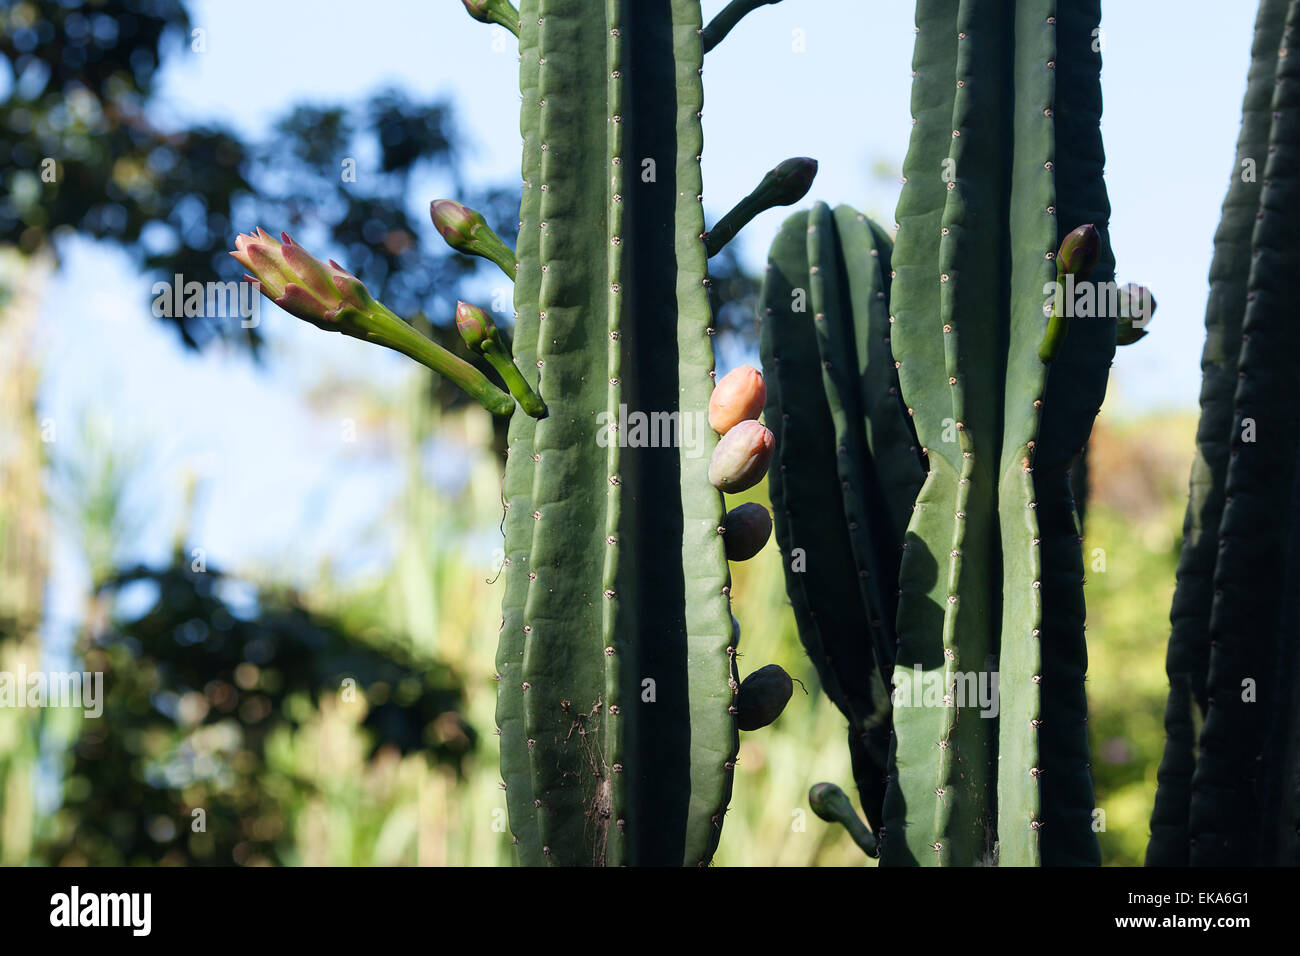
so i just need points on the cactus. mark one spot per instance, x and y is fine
(1229, 797)
(1003, 195)
(925, 404)
(616, 657)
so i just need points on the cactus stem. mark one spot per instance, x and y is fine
(784, 185)
(395, 334)
(727, 18)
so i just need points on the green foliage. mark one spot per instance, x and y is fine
(203, 753)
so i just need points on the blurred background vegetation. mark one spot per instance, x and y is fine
(249, 720)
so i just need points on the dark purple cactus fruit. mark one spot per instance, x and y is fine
(745, 530)
(762, 697)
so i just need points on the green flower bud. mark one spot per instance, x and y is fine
(1079, 252)
(475, 326)
(833, 805)
(467, 231)
(741, 458)
(745, 530)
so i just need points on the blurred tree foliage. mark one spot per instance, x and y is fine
(81, 154)
(199, 684)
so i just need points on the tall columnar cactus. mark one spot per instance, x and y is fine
(619, 700)
(1003, 177)
(1232, 795)
(616, 661)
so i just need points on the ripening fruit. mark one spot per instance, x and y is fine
(739, 396)
(741, 458)
(762, 697)
(746, 529)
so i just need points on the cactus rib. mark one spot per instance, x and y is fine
(519, 474)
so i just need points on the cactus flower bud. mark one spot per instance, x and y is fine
(465, 230)
(475, 326)
(502, 12)
(328, 297)
(331, 298)
(746, 529)
(1079, 252)
(738, 396)
(790, 180)
(783, 185)
(833, 805)
(762, 697)
(480, 334)
(1136, 307)
(828, 801)
(741, 458)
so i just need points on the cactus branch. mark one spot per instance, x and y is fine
(784, 185)
(727, 18)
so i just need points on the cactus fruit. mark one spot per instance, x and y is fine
(745, 530)
(762, 697)
(739, 396)
(741, 458)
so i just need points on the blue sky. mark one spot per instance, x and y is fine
(280, 489)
